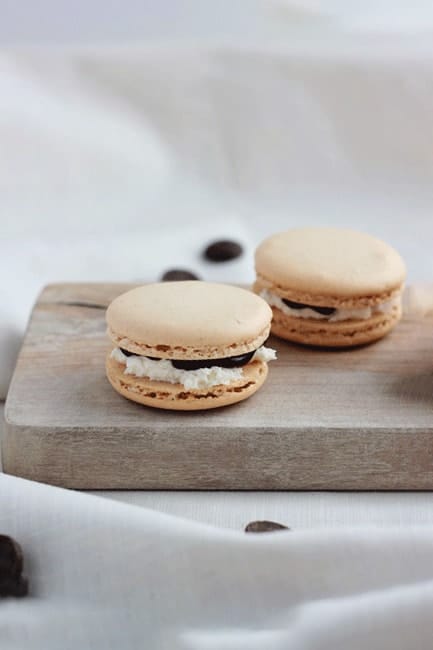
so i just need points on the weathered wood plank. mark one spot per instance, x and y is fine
(355, 419)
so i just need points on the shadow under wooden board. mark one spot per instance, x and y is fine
(358, 419)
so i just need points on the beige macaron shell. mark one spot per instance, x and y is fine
(334, 334)
(323, 300)
(323, 262)
(188, 320)
(168, 396)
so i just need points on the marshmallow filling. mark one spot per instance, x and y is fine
(205, 376)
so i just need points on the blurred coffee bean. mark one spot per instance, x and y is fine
(11, 557)
(11, 565)
(264, 527)
(222, 251)
(17, 588)
(174, 275)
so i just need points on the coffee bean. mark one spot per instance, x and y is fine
(18, 587)
(222, 251)
(11, 565)
(175, 275)
(264, 527)
(11, 557)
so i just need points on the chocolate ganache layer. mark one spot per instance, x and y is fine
(195, 364)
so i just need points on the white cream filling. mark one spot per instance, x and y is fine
(163, 370)
(339, 315)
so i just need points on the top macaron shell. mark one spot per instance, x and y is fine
(329, 263)
(188, 320)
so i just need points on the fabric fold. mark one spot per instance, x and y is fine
(97, 567)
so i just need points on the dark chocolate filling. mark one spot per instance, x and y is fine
(195, 364)
(225, 362)
(325, 311)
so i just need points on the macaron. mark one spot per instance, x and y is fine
(188, 345)
(330, 287)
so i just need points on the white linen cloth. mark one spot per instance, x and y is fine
(108, 575)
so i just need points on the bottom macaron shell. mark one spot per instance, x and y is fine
(164, 395)
(333, 334)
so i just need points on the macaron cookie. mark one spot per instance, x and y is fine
(188, 345)
(330, 287)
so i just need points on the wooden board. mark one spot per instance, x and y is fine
(359, 419)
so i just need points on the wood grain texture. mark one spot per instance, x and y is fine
(355, 419)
